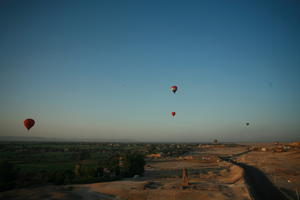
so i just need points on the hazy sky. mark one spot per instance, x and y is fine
(102, 69)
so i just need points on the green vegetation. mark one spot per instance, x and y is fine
(27, 164)
(8, 175)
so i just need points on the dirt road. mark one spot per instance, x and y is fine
(260, 187)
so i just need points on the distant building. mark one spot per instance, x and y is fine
(77, 170)
(264, 149)
(286, 148)
(188, 157)
(205, 158)
(295, 144)
(136, 176)
(121, 161)
(154, 155)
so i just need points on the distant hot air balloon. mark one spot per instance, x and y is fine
(29, 123)
(173, 88)
(173, 113)
(247, 124)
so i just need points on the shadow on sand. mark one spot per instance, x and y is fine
(260, 187)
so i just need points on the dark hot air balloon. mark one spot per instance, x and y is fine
(173, 113)
(173, 88)
(247, 124)
(29, 123)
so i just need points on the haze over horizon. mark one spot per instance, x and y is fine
(102, 69)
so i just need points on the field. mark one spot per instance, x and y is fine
(30, 157)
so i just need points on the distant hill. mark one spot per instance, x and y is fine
(20, 138)
(44, 139)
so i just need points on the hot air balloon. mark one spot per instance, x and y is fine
(247, 124)
(29, 123)
(173, 113)
(173, 88)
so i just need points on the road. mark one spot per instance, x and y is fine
(260, 187)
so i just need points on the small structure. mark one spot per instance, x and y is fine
(77, 170)
(264, 149)
(188, 158)
(205, 158)
(294, 144)
(121, 161)
(154, 155)
(185, 179)
(286, 148)
(136, 176)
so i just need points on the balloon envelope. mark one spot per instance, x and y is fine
(174, 88)
(29, 123)
(173, 113)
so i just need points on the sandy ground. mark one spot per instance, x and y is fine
(209, 178)
(55, 193)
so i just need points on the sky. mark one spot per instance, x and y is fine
(103, 69)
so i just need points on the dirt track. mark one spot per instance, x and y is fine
(260, 187)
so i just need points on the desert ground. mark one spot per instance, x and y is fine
(249, 171)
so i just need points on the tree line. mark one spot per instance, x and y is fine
(111, 167)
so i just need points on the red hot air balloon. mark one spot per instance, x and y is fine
(173, 113)
(29, 123)
(173, 88)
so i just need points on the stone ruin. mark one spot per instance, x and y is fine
(185, 178)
